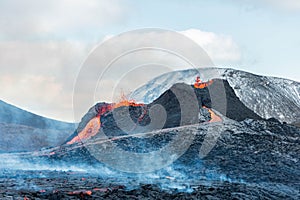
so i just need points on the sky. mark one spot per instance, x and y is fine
(43, 44)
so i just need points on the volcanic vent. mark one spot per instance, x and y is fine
(102, 114)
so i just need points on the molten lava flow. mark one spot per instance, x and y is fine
(200, 85)
(214, 117)
(125, 102)
(81, 192)
(90, 130)
(101, 110)
(93, 126)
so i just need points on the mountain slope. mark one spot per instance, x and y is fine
(25, 131)
(13, 115)
(17, 138)
(266, 96)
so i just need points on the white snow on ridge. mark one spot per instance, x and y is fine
(266, 96)
(154, 88)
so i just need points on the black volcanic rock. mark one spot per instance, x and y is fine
(182, 105)
(216, 191)
(183, 98)
(170, 104)
(251, 159)
(234, 108)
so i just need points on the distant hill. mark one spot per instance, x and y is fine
(24, 131)
(13, 115)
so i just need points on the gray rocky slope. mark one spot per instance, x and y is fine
(267, 96)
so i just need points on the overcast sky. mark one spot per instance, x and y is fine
(44, 43)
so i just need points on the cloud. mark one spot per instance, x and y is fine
(45, 88)
(39, 76)
(283, 5)
(221, 48)
(41, 94)
(293, 5)
(59, 18)
(142, 64)
(42, 45)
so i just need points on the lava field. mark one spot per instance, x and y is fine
(250, 157)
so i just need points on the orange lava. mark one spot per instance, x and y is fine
(90, 130)
(93, 126)
(200, 85)
(104, 108)
(214, 117)
(81, 192)
(125, 102)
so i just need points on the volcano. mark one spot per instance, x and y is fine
(252, 157)
(230, 107)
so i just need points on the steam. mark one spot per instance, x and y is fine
(12, 161)
(172, 178)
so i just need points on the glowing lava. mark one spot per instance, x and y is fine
(93, 126)
(214, 117)
(90, 130)
(81, 193)
(200, 85)
(125, 102)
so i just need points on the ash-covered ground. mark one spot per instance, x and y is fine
(250, 158)
(67, 185)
